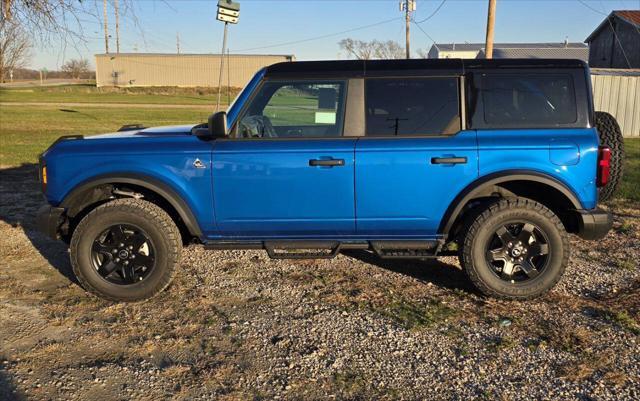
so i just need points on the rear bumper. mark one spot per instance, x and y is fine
(594, 223)
(49, 219)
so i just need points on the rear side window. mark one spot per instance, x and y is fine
(412, 106)
(528, 100)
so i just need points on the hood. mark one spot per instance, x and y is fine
(172, 130)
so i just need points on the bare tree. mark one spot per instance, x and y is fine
(76, 67)
(374, 49)
(388, 50)
(15, 48)
(357, 48)
(63, 19)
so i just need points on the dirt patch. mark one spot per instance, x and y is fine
(236, 325)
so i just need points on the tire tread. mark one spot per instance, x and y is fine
(466, 258)
(136, 206)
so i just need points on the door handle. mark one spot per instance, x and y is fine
(326, 162)
(448, 160)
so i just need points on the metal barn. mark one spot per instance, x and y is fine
(185, 70)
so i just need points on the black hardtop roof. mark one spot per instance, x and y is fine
(372, 68)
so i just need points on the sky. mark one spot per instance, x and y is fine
(268, 26)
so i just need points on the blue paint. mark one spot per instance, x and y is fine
(388, 188)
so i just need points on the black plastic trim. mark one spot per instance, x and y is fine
(48, 220)
(476, 188)
(594, 224)
(159, 187)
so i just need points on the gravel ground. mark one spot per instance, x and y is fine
(236, 325)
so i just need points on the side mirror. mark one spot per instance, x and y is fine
(216, 127)
(218, 124)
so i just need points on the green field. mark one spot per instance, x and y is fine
(630, 188)
(25, 131)
(92, 94)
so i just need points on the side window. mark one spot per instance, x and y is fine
(528, 100)
(412, 106)
(295, 110)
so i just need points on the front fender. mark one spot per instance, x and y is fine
(164, 166)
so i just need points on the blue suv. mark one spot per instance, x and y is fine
(491, 160)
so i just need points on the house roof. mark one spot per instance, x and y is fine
(581, 53)
(480, 46)
(629, 16)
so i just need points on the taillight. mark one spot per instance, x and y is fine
(604, 165)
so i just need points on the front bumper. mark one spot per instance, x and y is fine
(594, 223)
(49, 219)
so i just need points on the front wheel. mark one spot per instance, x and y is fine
(125, 250)
(515, 249)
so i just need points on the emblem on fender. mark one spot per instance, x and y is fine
(197, 163)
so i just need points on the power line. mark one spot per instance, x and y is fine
(432, 14)
(591, 8)
(425, 33)
(318, 37)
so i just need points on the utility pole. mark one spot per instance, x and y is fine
(407, 6)
(491, 20)
(115, 5)
(106, 29)
(224, 46)
(178, 42)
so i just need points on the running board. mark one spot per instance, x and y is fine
(303, 249)
(405, 249)
(297, 249)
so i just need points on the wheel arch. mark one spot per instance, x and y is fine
(93, 190)
(560, 198)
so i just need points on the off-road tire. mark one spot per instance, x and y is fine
(611, 136)
(156, 223)
(481, 228)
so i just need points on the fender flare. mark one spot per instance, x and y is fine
(152, 184)
(482, 184)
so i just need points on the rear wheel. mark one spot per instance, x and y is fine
(611, 137)
(125, 250)
(515, 249)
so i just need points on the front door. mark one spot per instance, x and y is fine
(414, 159)
(287, 171)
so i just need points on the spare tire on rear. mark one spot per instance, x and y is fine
(611, 137)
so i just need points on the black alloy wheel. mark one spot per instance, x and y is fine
(123, 254)
(517, 251)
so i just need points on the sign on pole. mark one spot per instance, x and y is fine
(228, 11)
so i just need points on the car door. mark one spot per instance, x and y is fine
(415, 156)
(287, 171)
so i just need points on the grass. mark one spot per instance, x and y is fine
(92, 94)
(25, 131)
(416, 315)
(630, 187)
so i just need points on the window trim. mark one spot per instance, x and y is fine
(459, 78)
(532, 125)
(233, 132)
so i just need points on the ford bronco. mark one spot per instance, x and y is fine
(495, 161)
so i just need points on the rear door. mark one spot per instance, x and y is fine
(289, 171)
(415, 158)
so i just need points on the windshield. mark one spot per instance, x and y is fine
(236, 105)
